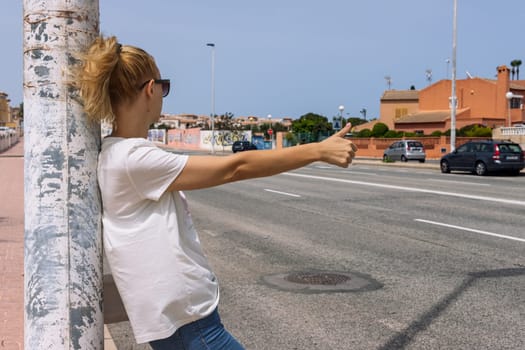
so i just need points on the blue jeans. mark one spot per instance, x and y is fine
(204, 334)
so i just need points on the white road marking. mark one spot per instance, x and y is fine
(459, 182)
(361, 173)
(472, 230)
(283, 193)
(353, 171)
(411, 189)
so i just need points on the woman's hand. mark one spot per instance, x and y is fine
(337, 150)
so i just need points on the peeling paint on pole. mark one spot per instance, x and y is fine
(63, 249)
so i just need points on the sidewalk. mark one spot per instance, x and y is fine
(12, 251)
(12, 248)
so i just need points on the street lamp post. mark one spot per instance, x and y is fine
(212, 117)
(270, 131)
(341, 110)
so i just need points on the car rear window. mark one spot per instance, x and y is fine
(510, 148)
(414, 144)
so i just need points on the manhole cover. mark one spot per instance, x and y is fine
(322, 281)
(330, 279)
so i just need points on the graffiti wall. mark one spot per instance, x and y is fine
(223, 139)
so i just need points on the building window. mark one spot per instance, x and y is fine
(515, 103)
(401, 112)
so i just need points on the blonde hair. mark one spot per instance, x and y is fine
(111, 74)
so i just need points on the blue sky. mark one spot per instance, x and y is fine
(291, 57)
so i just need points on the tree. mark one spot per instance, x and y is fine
(515, 64)
(224, 122)
(355, 121)
(311, 127)
(312, 123)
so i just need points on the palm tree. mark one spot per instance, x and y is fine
(515, 68)
(518, 64)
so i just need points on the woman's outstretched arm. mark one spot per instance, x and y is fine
(208, 171)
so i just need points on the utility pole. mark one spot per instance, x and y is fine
(212, 45)
(453, 97)
(63, 247)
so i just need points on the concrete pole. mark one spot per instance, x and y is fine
(63, 248)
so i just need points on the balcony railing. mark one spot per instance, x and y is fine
(519, 130)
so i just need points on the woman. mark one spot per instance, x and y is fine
(167, 286)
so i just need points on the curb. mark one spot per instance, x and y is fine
(379, 162)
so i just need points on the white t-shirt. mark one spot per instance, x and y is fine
(152, 248)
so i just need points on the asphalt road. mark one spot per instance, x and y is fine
(440, 259)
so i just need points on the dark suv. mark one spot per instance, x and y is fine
(239, 146)
(481, 157)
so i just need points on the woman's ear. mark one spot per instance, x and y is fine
(149, 88)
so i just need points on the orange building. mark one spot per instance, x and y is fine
(479, 101)
(5, 115)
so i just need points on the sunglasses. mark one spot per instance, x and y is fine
(164, 82)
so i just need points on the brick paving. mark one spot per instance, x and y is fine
(12, 248)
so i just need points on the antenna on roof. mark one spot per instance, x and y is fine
(469, 75)
(428, 75)
(388, 81)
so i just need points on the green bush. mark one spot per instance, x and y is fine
(447, 133)
(393, 134)
(475, 130)
(364, 133)
(379, 130)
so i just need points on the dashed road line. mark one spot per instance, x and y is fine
(471, 230)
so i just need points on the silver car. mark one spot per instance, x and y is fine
(405, 150)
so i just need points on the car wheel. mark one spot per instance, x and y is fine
(404, 159)
(421, 160)
(481, 169)
(445, 167)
